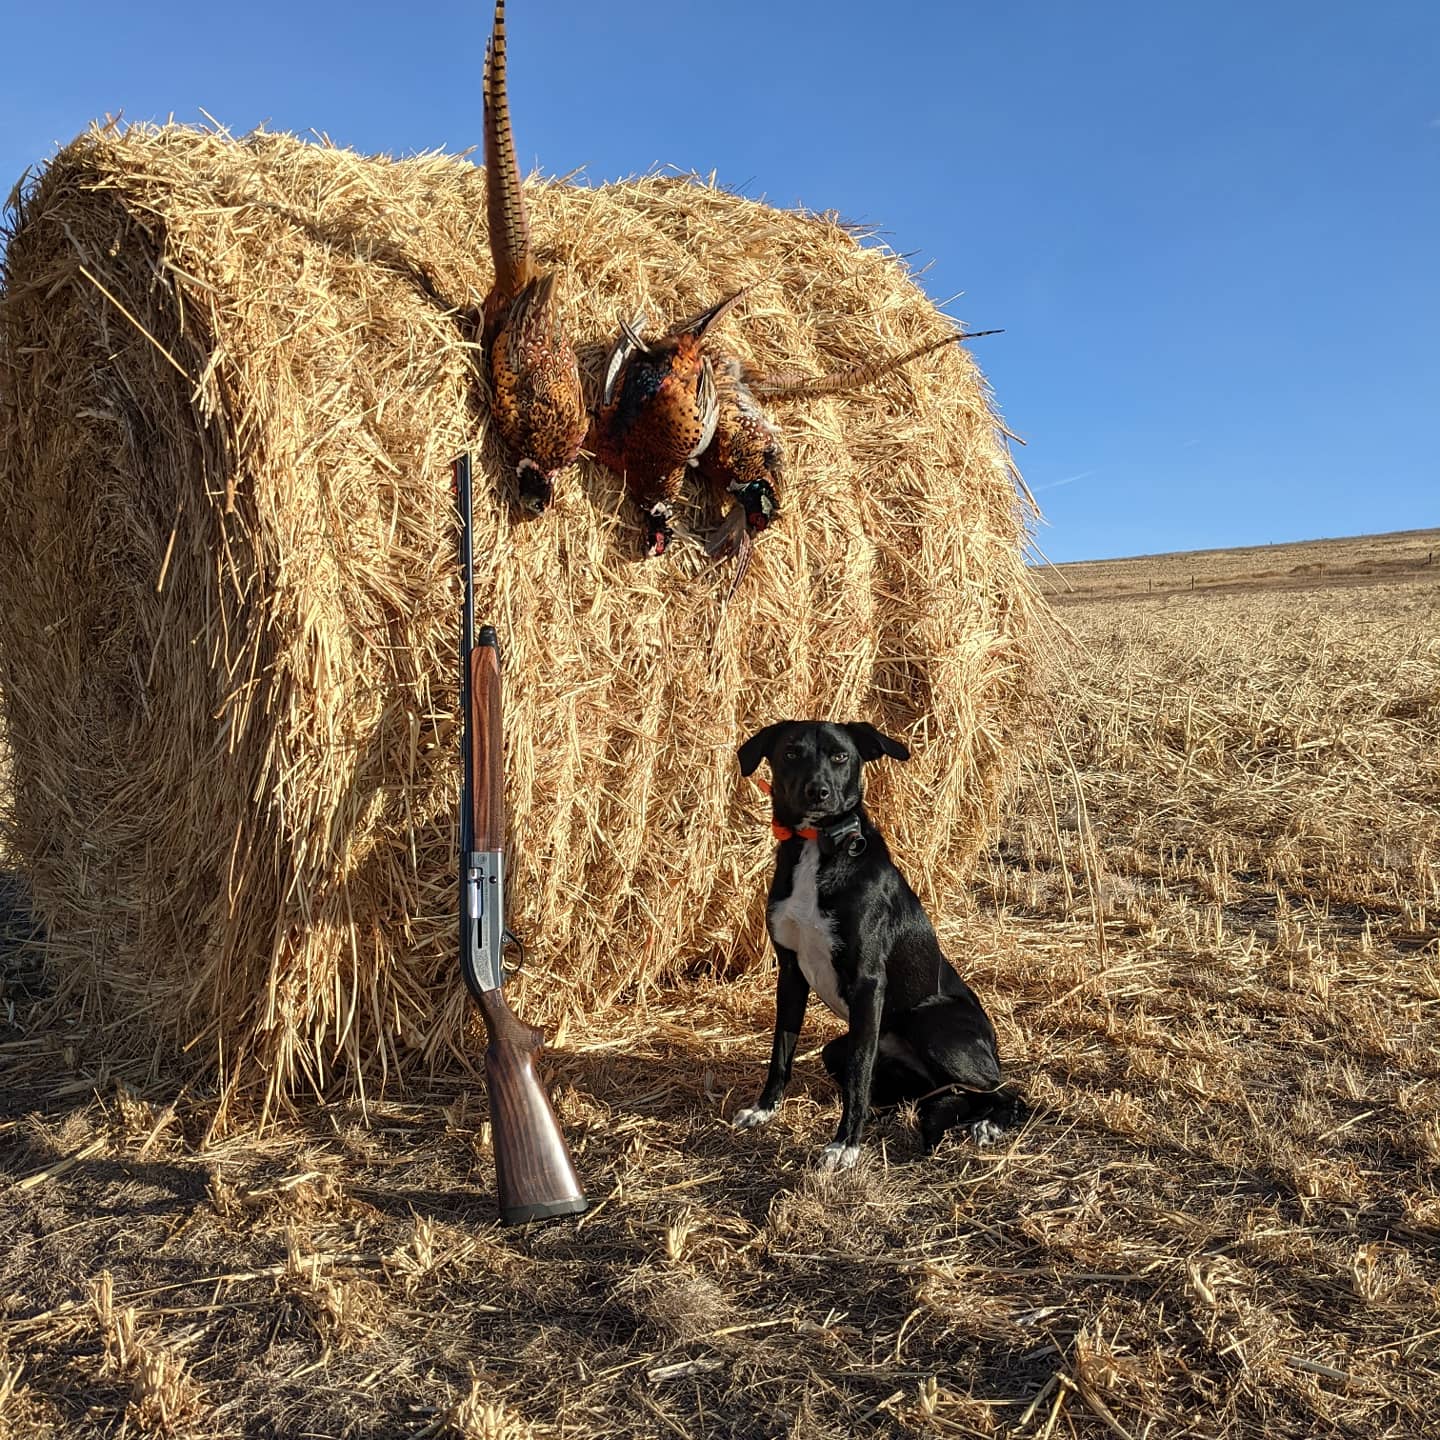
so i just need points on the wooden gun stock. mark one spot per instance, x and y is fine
(534, 1176)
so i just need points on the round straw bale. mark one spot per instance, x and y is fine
(234, 376)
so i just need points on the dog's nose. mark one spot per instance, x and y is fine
(817, 791)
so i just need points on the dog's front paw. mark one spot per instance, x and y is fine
(751, 1116)
(836, 1156)
(986, 1132)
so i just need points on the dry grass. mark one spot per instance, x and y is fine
(232, 377)
(1223, 1221)
(1355, 560)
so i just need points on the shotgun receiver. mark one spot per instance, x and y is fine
(534, 1175)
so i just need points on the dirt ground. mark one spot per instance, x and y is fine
(1209, 933)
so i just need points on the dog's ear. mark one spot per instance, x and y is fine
(758, 747)
(873, 743)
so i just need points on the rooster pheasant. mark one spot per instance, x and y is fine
(536, 399)
(657, 412)
(747, 457)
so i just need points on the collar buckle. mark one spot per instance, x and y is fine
(843, 835)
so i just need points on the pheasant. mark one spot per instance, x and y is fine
(536, 399)
(746, 455)
(657, 412)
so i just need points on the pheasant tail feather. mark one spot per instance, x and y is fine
(839, 381)
(706, 318)
(505, 201)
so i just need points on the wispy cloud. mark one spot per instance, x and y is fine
(1068, 480)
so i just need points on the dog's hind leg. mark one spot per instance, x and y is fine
(987, 1114)
(956, 1041)
(896, 1077)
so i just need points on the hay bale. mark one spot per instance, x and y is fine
(230, 397)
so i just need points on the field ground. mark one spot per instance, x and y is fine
(1209, 932)
(1310, 564)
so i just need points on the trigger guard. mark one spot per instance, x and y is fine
(512, 938)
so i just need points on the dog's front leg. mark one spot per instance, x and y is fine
(867, 1000)
(792, 990)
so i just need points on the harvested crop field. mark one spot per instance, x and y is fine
(1397, 556)
(1215, 969)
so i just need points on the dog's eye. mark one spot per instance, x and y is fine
(792, 754)
(840, 757)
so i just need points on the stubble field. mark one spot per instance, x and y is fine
(1209, 934)
(1362, 560)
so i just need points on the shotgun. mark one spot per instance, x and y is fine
(534, 1175)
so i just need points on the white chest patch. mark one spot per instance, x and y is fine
(798, 924)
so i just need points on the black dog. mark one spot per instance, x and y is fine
(844, 920)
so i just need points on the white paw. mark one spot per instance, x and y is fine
(750, 1117)
(986, 1132)
(836, 1156)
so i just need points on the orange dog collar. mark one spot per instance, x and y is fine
(850, 831)
(784, 832)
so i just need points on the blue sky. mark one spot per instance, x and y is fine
(1211, 232)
